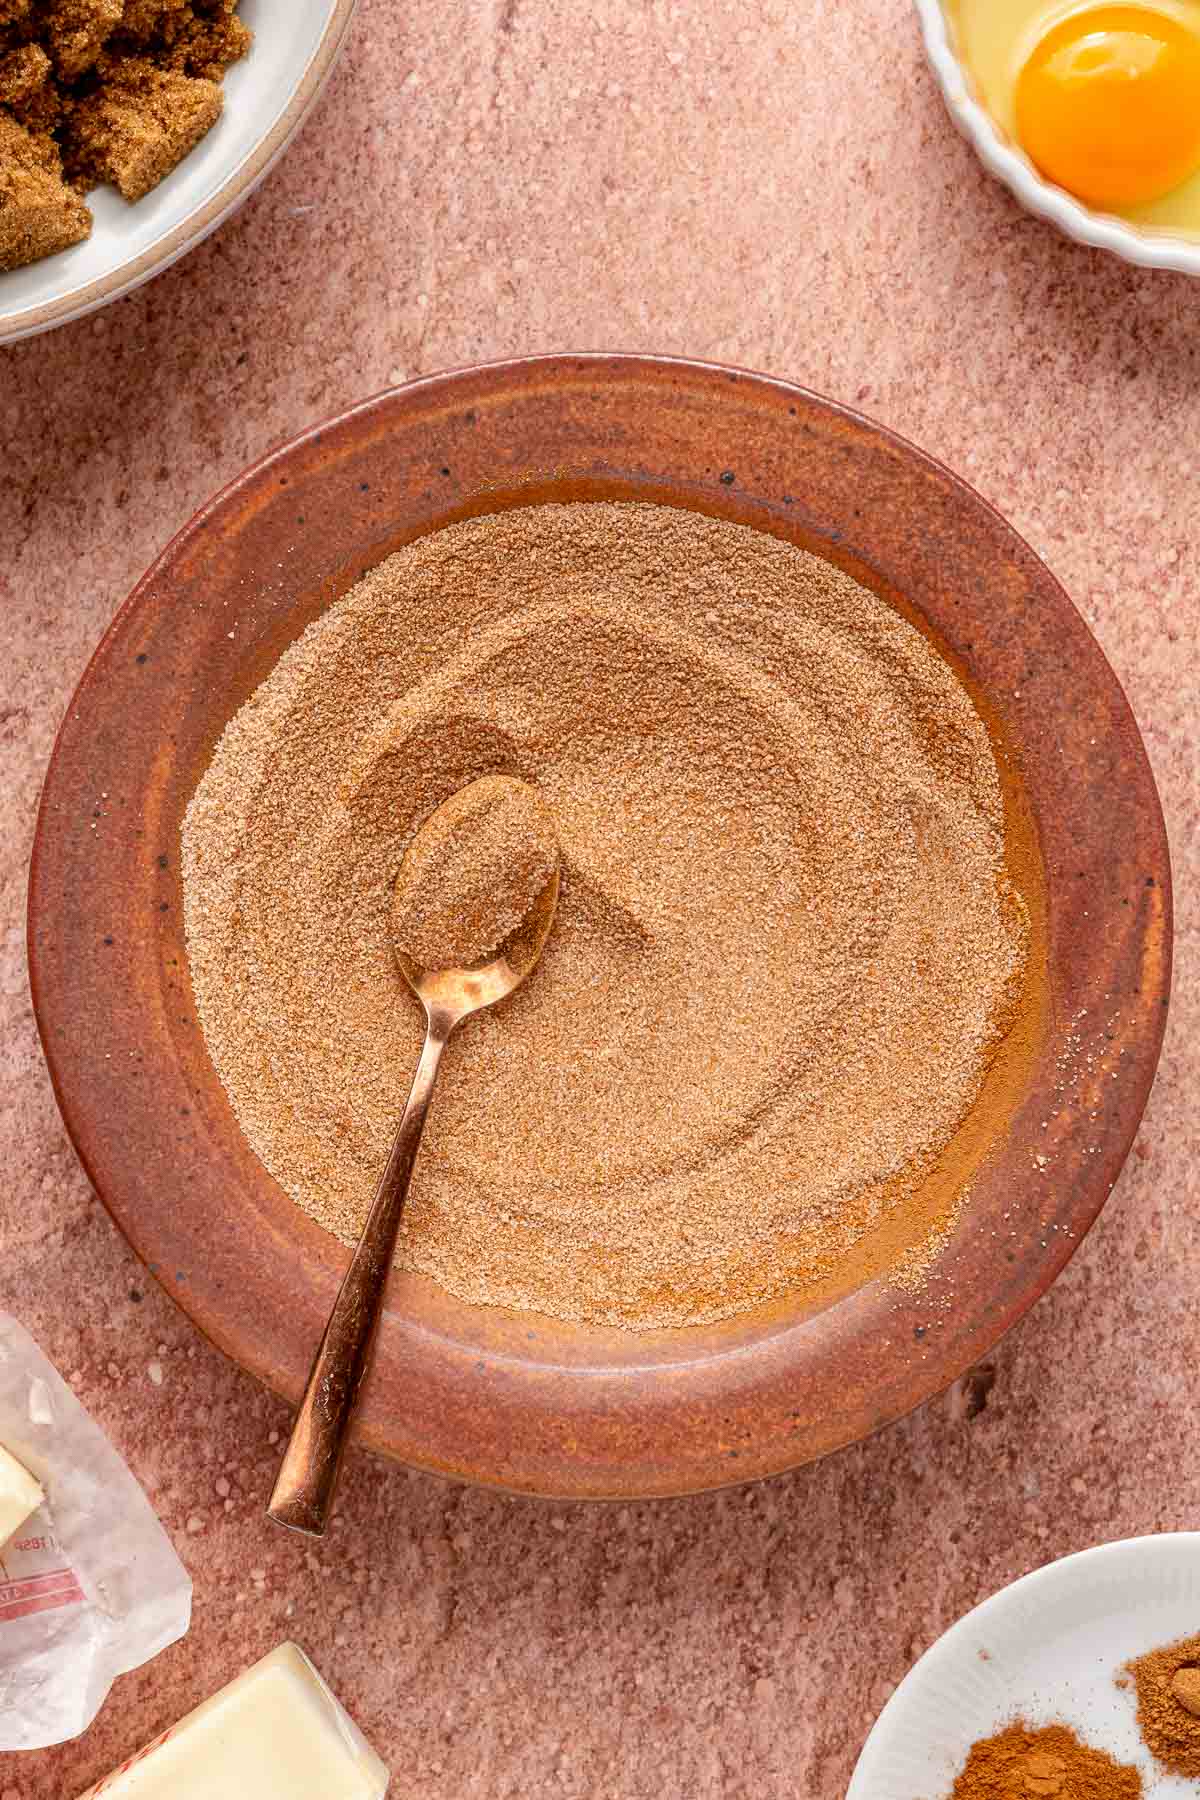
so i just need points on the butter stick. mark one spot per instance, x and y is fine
(276, 1733)
(20, 1495)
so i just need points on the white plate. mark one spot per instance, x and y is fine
(267, 94)
(1048, 1648)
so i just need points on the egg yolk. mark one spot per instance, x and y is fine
(1108, 105)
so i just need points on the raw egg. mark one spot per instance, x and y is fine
(1104, 100)
(1108, 105)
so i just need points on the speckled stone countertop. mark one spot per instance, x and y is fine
(777, 186)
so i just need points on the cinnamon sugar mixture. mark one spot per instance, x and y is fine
(786, 945)
(473, 873)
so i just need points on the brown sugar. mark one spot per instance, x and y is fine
(24, 72)
(112, 91)
(472, 873)
(39, 214)
(142, 122)
(1168, 1704)
(786, 947)
(1024, 1762)
(28, 97)
(191, 39)
(76, 31)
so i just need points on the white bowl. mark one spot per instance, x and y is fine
(1153, 250)
(267, 94)
(1047, 1649)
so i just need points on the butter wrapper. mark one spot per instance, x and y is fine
(90, 1585)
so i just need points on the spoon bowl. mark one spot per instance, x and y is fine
(454, 994)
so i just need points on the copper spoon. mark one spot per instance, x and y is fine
(308, 1475)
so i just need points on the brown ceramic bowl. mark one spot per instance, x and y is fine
(513, 1400)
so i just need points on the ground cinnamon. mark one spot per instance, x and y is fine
(1024, 1762)
(1168, 1702)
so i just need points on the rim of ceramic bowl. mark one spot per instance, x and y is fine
(236, 188)
(1150, 250)
(515, 1400)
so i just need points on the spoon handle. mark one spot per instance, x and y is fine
(308, 1474)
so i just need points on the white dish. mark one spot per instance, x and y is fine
(1048, 1648)
(267, 95)
(1153, 250)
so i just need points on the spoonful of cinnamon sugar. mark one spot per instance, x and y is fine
(471, 910)
(472, 873)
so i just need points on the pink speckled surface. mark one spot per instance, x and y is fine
(777, 186)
